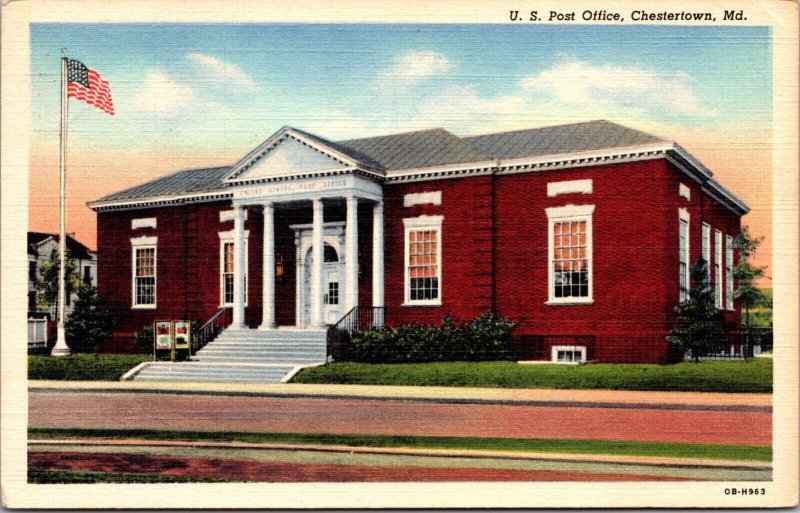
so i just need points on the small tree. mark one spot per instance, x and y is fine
(47, 281)
(747, 293)
(699, 325)
(89, 323)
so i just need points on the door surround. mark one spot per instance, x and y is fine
(333, 235)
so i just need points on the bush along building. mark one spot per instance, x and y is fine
(582, 235)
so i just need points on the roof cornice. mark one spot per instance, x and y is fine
(158, 201)
(669, 151)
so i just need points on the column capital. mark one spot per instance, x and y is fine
(317, 202)
(268, 204)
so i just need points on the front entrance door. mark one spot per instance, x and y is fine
(332, 272)
(332, 301)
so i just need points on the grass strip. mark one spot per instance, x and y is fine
(70, 477)
(83, 367)
(563, 446)
(706, 376)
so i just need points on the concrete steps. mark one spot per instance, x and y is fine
(221, 373)
(243, 356)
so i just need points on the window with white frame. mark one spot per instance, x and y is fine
(570, 254)
(683, 254)
(568, 354)
(423, 260)
(144, 272)
(729, 272)
(718, 269)
(706, 249)
(227, 276)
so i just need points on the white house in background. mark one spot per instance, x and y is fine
(40, 247)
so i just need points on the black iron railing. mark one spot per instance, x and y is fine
(743, 344)
(221, 319)
(357, 319)
(361, 317)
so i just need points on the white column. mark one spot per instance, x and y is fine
(298, 284)
(351, 255)
(238, 268)
(377, 260)
(317, 253)
(268, 294)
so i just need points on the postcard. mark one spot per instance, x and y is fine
(397, 255)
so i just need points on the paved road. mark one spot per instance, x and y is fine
(369, 416)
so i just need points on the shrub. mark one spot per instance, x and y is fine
(89, 324)
(144, 338)
(484, 338)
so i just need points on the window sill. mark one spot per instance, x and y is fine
(570, 302)
(438, 303)
(143, 307)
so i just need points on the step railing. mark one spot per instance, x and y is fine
(221, 319)
(354, 321)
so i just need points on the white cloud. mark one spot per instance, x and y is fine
(413, 67)
(575, 82)
(162, 94)
(223, 73)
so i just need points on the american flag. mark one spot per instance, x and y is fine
(86, 85)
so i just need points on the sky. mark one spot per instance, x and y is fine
(192, 95)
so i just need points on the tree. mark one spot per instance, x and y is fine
(47, 281)
(89, 323)
(700, 325)
(747, 293)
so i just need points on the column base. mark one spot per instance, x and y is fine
(61, 348)
(267, 327)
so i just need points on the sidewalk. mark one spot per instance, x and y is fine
(72, 443)
(546, 397)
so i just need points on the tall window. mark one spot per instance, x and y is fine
(423, 260)
(683, 256)
(729, 272)
(570, 254)
(87, 275)
(227, 276)
(718, 268)
(144, 276)
(707, 249)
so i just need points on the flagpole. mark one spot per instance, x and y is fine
(61, 348)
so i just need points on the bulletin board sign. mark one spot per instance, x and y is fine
(163, 335)
(183, 334)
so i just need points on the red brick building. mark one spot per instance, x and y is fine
(582, 234)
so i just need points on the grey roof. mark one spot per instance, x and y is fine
(425, 148)
(592, 135)
(75, 249)
(351, 152)
(408, 150)
(183, 182)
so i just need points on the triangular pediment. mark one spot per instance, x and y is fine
(288, 153)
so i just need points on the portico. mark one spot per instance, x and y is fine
(293, 170)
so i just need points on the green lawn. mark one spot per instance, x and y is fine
(671, 450)
(706, 376)
(83, 367)
(72, 477)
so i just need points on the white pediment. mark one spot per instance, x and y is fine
(289, 156)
